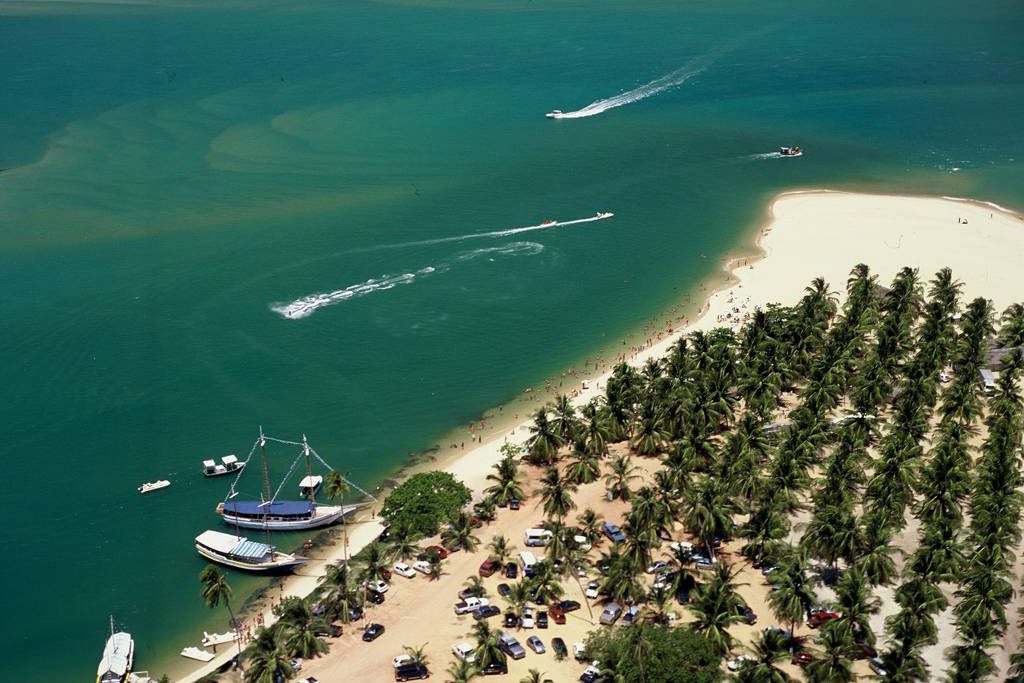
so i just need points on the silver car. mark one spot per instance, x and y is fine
(535, 644)
(611, 613)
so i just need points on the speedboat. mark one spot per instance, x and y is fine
(547, 224)
(790, 151)
(154, 486)
(604, 214)
(229, 464)
(556, 114)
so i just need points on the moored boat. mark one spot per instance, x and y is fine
(282, 515)
(790, 151)
(310, 484)
(118, 656)
(154, 486)
(239, 552)
(227, 465)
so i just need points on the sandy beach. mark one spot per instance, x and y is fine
(807, 234)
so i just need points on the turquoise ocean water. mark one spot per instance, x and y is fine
(175, 172)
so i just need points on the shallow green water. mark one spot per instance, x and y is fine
(173, 174)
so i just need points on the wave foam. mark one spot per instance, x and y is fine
(670, 80)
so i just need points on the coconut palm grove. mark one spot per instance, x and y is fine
(863, 451)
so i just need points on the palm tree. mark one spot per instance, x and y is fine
(556, 494)
(566, 424)
(857, 604)
(300, 628)
(268, 660)
(461, 671)
(336, 487)
(501, 549)
(338, 595)
(460, 532)
(544, 441)
(596, 431)
(649, 435)
(402, 542)
(517, 598)
(791, 595)
(585, 468)
(436, 569)
(374, 560)
(590, 526)
(544, 583)
(707, 511)
(717, 606)
(418, 655)
(507, 482)
(487, 649)
(475, 584)
(835, 666)
(533, 676)
(770, 647)
(216, 590)
(617, 480)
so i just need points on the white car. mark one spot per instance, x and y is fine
(378, 586)
(422, 566)
(579, 651)
(464, 651)
(402, 569)
(739, 662)
(527, 618)
(656, 566)
(662, 580)
(592, 589)
(680, 546)
(401, 660)
(582, 542)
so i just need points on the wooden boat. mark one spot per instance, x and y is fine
(228, 464)
(239, 552)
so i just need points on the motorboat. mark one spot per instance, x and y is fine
(154, 486)
(547, 224)
(790, 151)
(310, 484)
(227, 465)
(604, 214)
(239, 552)
(118, 656)
(556, 114)
(212, 639)
(197, 654)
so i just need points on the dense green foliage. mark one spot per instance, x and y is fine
(654, 654)
(425, 501)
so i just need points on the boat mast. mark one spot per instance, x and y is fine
(266, 467)
(309, 467)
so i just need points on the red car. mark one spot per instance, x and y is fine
(822, 617)
(441, 552)
(488, 567)
(385, 573)
(557, 615)
(801, 658)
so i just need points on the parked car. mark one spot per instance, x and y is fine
(654, 567)
(504, 590)
(802, 658)
(464, 651)
(374, 597)
(558, 645)
(527, 618)
(592, 589)
(590, 674)
(495, 668)
(411, 672)
(510, 646)
(441, 552)
(582, 542)
(613, 532)
(631, 614)
(372, 632)
(542, 619)
(579, 652)
(355, 613)
(557, 616)
(567, 605)
(422, 566)
(611, 613)
(739, 662)
(469, 604)
(402, 569)
(511, 570)
(536, 644)
(488, 567)
(486, 612)
(878, 666)
(747, 616)
(513, 504)
(378, 586)
(330, 631)
(472, 592)
(511, 620)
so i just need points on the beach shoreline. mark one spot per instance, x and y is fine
(740, 286)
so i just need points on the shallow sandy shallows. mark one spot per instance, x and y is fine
(808, 234)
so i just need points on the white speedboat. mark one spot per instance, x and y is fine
(604, 214)
(211, 639)
(228, 464)
(790, 151)
(241, 553)
(154, 486)
(556, 114)
(547, 224)
(118, 656)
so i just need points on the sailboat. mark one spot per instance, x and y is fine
(118, 656)
(283, 515)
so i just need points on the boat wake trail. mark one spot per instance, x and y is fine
(308, 305)
(670, 80)
(765, 155)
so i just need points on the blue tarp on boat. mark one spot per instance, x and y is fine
(283, 508)
(251, 550)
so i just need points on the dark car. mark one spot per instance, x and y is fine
(411, 672)
(590, 675)
(511, 570)
(497, 668)
(486, 612)
(504, 590)
(802, 658)
(542, 619)
(511, 620)
(488, 567)
(472, 592)
(567, 605)
(513, 504)
(558, 645)
(355, 613)
(372, 632)
(613, 532)
(747, 616)
(374, 597)
(330, 631)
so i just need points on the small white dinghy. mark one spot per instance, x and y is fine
(196, 653)
(154, 486)
(211, 639)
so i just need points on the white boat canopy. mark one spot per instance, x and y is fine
(229, 459)
(311, 482)
(209, 463)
